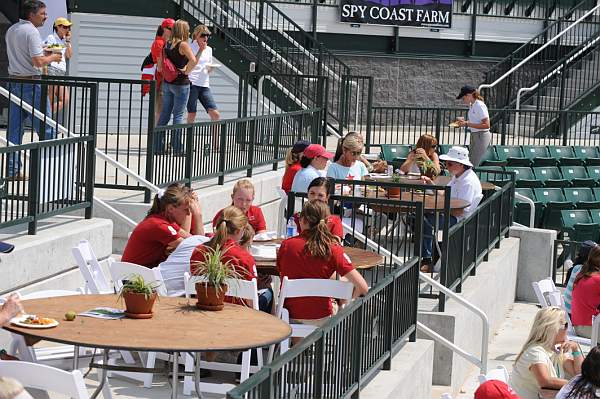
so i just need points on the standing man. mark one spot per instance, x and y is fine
(163, 34)
(26, 58)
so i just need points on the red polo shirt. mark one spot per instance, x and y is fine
(294, 262)
(288, 177)
(156, 51)
(254, 215)
(334, 223)
(148, 242)
(241, 260)
(586, 299)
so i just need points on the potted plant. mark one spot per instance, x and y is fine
(213, 273)
(139, 296)
(427, 168)
(394, 192)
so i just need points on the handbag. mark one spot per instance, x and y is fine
(169, 70)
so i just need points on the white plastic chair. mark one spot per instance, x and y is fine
(281, 222)
(308, 287)
(95, 280)
(237, 288)
(40, 376)
(499, 373)
(542, 289)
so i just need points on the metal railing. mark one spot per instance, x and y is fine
(336, 359)
(564, 250)
(500, 90)
(193, 152)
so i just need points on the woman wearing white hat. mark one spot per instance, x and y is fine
(465, 185)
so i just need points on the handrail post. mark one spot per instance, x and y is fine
(33, 188)
(314, 13)
(90, 166)
(473, 28)
(389, 330)
(276, 140)
(223, 142)
(369, 113)
(438, 124)
(260, 39)
(150, 140)
(189, 154)
(357, 338)
(252, 129)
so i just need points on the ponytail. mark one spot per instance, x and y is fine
(477, 95)
(229, 222)
(318, 237)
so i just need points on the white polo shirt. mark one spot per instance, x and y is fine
(304, 177)
(467, 187)
(477, 112)
(178, 263)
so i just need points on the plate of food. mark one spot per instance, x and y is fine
(454, 124)
(266, 236)
(33, 321)
(54, 48)
(413, 176)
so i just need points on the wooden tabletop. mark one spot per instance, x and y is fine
(438, 181)
(177, 325)
(431, 202)
(360, 258)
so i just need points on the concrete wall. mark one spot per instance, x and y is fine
(535, 259)
(493, 291)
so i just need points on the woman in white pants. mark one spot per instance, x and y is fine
(478, 123)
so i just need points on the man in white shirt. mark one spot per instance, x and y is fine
(465, 185)
(26, 58)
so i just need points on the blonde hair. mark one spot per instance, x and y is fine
(247, 237)
(176, 194)
(477, 95)
(241, 184)
(181, 32)
(545, 327)
(319, 238)
(353, 141)
(291, 158)
(201, 29)
(229, 222)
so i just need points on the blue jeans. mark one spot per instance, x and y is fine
(265, 300)
(27, 92)
(175, 99)
(428, 232)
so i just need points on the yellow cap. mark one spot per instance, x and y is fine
(62, 21)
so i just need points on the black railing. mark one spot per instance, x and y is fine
(57, 176)
(263, 34)
(404, 125)
(125, 118)
(563, 251)
(336, 359)
(193, 152)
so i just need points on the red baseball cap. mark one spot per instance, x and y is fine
(168, 23)
(495, 389)
(317, 150)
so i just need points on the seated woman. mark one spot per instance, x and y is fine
(292, 164)
(573, 272)
(175, 215)
(229, 231)
(347, 161)
(587, 384)
(465, 186)
(315, 253)
(586, 294)
(547, 359)
(242, 198)
(423, 159)
(319, 190)
(313, 162)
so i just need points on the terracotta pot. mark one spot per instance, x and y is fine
(393, 192)
(209, 298)
(138, 303)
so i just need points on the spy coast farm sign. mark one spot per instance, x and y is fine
(416, 13)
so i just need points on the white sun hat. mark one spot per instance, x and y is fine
(457, 154)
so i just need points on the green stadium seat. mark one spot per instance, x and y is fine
(395, 154)
(522, 209)
(539, 155)
(594, 173)
(554, 201)
(444, 148)
(550, 176)
(490, 158)
(524, 177)
(589, 155)
(581, 197)
(512, 155)
(595, 214)
(492, 174)
(596, 191)
(577, 176)
(579, 226)
(565, 155)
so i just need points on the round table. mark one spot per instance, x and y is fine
(438, 181)
(431, 202)
(177, 326)
(360, 258)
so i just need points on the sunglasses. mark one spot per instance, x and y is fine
(204, 34)
(65, 27)
(355, 153)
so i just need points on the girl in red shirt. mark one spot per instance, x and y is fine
(175, 213)
(242, 198)
(292, 164)
(586, 294)
(315, 253)
(319, 190)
